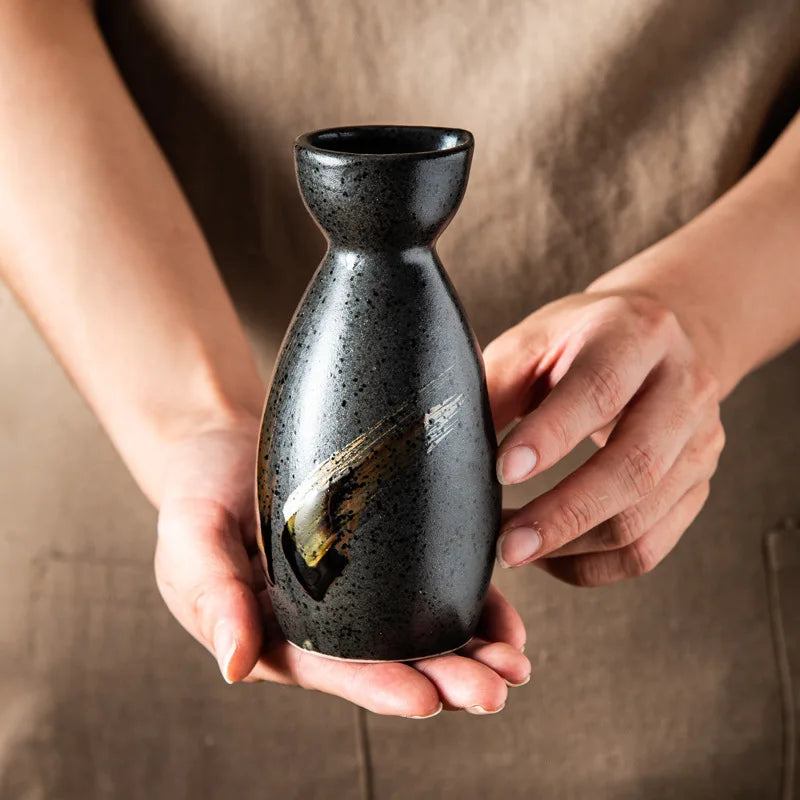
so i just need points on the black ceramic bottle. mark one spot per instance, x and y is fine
(377, 494)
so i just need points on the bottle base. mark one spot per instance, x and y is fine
(379, 660)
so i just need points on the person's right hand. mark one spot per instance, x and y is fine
(622, 369)
(209, 575)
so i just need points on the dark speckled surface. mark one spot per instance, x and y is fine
(377, 496)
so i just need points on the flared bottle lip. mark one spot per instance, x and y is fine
(386, 141)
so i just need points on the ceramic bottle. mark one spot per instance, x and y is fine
(378, 502)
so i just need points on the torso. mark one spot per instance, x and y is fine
(599, 129)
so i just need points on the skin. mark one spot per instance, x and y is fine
(122, 285)
(138, 315)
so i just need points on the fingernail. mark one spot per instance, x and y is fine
(479, 710)
(517, 685)
(225, 645)
(515, 465)
(428, 716)
(518, 545)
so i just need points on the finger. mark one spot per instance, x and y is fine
(696, 464)
(598, 384)
(644, 446)
(404, 690)
(391, 688)
(502, 658)
(637, 558)
(204, 575)
(500, 621)
(465, 683)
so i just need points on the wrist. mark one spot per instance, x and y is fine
(159, 426)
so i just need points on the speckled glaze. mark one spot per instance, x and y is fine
(378, 502)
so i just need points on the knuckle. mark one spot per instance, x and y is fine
(575, 516)
(604, 389)
(646, 317)
(718, 439)
(705, 386)
(196, 518)
(696, 499)
(640, 558)
(681, 416)
(557, 430)
(622, 529)
(199, 600)
(586, 573)
(655, 320)
(716, 453)
(709, 455)
(642, 470)
(585, 570)
(705, 449)
(207, 594)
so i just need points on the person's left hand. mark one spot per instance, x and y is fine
(212, 580)
(621, 369)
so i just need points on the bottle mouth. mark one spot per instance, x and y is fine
(382, 141)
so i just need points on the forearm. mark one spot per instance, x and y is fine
(99, 244)
(732, 275)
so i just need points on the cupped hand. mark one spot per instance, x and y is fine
(211, 579)
(618, 368)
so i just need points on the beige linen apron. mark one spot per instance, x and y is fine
(600, 127)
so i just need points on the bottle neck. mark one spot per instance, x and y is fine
(394, 257)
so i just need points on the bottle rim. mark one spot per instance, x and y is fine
(386, 141)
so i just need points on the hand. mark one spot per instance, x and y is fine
(622, 370)
(210, 577)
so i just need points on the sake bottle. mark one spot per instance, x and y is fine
(378, 502)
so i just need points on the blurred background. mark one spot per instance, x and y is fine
(668, 686)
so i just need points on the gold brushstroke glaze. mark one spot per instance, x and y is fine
(322, 513)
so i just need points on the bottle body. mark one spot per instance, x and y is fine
(378, 503)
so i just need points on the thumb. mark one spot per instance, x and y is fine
(513, 363)
(205, 577)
